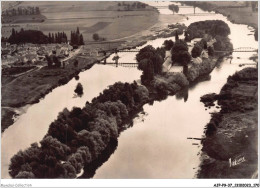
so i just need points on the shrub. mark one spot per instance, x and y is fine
(79, 89)
(95, 36)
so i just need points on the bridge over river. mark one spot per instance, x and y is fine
(135, 64)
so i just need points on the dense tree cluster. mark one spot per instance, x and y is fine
(222, 43)
(174, 8)
(27, 36)
(197, 70)
(128, 94)
(76, 38)
(35, 37)
(78, 137)
(131, 6)
(59, 37)
(216, 29)
(169, 83)
(150, 61)
(211, 27)
(180, 54)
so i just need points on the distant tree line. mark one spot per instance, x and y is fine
(37, 37)
(27, 36)
(22, 11)
(131, 6)
(76, 38)
(59, 37)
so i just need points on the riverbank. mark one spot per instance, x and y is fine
(33, 86)
(236, 12)
(230, 146)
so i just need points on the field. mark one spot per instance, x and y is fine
(109, 20)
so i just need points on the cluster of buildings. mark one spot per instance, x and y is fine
(31, 54)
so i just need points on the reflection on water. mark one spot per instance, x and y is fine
(157, 146)
(33, 125)
(90, 171)
(183, 94)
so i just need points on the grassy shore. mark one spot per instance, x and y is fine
(230, 147)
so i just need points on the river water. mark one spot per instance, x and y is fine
(157, 145)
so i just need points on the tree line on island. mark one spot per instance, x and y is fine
(78, 137)
(150, 60)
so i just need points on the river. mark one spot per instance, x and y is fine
(156, 146)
